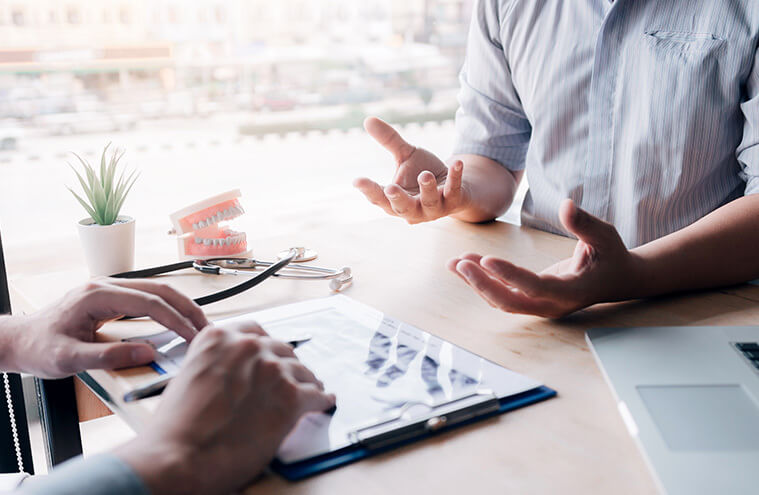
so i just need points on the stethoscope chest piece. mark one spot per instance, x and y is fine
(302, 254)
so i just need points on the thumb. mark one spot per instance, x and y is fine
(588, 228)
(389, 138)
(112, 355)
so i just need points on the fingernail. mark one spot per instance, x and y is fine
(142, 354)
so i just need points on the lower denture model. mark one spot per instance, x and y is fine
(201, 228)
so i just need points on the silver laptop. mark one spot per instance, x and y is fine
(690, 397)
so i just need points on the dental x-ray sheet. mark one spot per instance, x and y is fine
(374, 364)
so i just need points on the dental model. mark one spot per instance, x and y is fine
(201, 228)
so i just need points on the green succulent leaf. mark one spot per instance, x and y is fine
(87, 207)
(104, 193)
(123, 196)
(85, 187)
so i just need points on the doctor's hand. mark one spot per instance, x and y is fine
(59, 340)
(599, 271)
(222, 419)
(423, 188)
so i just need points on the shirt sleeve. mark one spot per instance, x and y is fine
(748, 150)
(99, 475)
(490, 120)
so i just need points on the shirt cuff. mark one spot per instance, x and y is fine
(752, 185)
(103, 474)
(512, 158)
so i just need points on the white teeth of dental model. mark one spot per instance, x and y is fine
(229, 240)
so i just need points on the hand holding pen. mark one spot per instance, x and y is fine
(156, 387)
(247, 391)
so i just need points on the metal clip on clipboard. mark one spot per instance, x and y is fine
(405, 427)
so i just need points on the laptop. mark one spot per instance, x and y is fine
(690, 398)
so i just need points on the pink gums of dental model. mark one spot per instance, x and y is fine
(201, 232)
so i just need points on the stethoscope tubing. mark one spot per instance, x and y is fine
(249, 284)
(218, 296)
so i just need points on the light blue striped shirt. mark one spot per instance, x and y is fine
(103, 474)
(645, 112)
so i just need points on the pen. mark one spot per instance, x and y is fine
(157, 386)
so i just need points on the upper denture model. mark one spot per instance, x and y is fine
(201, 228)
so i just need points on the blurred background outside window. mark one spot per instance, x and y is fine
(76, 66)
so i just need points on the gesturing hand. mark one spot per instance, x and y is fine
(238, 394)
(423, 188)
(60, 340)
(600, 270)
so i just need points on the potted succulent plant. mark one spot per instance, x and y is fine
(107, 237)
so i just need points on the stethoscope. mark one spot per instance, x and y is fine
(257, 269)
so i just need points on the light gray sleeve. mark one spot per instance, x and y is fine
(103, 474)
(748, 150)
(490, 120)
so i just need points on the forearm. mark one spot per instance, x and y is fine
(488, 186)
(719, 249)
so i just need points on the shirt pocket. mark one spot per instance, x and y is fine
(682, 42)
(674, 98)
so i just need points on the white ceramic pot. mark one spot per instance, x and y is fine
(108, 249)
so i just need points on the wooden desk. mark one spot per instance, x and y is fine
(575, 443)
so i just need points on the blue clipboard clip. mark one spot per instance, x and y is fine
(383, 436)
(418, 419)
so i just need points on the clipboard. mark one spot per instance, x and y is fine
(395, 383)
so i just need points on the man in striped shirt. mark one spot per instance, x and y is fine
(637, 125)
